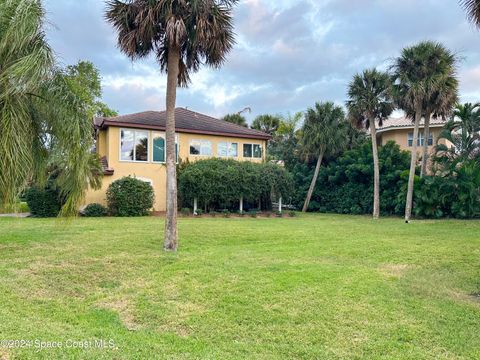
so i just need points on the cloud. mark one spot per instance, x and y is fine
(289, 53)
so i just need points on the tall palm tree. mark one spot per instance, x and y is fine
(267, 123)
(418, 74)
(182, 34)
(473, 10)
(44, 122)
(323, 133)
(369, 103)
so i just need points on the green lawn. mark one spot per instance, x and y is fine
(316, 286)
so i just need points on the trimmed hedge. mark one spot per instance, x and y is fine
(219, 184)
(43, 202)
(130, 197)
(95, 210)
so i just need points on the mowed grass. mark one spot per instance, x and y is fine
(316, 286)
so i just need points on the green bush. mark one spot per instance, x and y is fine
(43, 202)
(95, 210)
(199, 212)
(185, 211)
(278, 214)
(226, 213)
(130, 197)
(253, 213)
(292, 213)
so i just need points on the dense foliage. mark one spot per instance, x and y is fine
(345, 185)
(44, 201)
(95, 210)
(220, 184)
(130, 197)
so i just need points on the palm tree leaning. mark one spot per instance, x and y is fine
(323, 134)
(473, 10)
(369, 103)
(417, 75)
(182, 34)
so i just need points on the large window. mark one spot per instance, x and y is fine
(201, 147)
(159, 147)
(134, 145)
(227, 149)
(420, 140)
(252, 151)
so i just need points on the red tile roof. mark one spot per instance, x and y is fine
(404, 122)
(186, 121)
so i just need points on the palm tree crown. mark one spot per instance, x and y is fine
(201, 30)
(473, 10)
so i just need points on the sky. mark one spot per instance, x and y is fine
(288, 55)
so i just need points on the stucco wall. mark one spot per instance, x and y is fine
(108, 144)
(400, 136)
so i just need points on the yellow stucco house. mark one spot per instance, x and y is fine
(134, 145)
(400, 130)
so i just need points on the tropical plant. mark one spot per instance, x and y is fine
(462, 133)
(418, 74)
(284, 143)
(370, 102)
(95, 210)
(237, 119)
(44, 121)
(323, 134)
(267, 123)
(473, 10)
(182, 34)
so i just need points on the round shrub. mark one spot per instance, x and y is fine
(43, 202)
(95, 210)
(130, 197)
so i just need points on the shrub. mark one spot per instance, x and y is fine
(226, 213)
(43, 202)
(130, 197)
(292, 213)
(199, 212)
(185, 211)
(95, 210)
(253, 213)
(278, 214)
(212, 213)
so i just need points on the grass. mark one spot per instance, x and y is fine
(315, 286)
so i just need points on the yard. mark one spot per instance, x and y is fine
(316, 286)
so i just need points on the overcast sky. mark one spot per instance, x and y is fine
(289, 53)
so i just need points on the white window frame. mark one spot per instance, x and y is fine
(420, 140)
(134, 147)
(201, 143)
(253, 152)
(229, 147)
(162, 134)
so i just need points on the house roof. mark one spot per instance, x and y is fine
(186, 121)
(407, 123)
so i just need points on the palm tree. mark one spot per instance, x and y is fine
(323, 134)
(267, 123)
(236, 119)
(182, 34)
(370, 102)
(44, 121)
(418, 74)
(473, 10)
(463, 132)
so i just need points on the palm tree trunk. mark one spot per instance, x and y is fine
(413, 164)
(312, 184)
(426, 135)
(376, 172)
(170, 241)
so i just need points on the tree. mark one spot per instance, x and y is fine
(417, 75)
(183, 35)
(266, 123)
(236, 119)
(44, 122)
(284, 143)
(473, 10)
(370, 102)
(323, 133)
(85, 79)
(464, 135)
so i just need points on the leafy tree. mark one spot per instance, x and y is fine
(419, 73)
(267, 123)
(85, 79)
(473, 10)
(44, 121)
(236, 119)
(183, 35)
(323, 134)
(370, 102)
(284, 143)
(463, 132)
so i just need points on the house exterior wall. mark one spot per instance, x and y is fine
(108, 144)
(400, 136)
